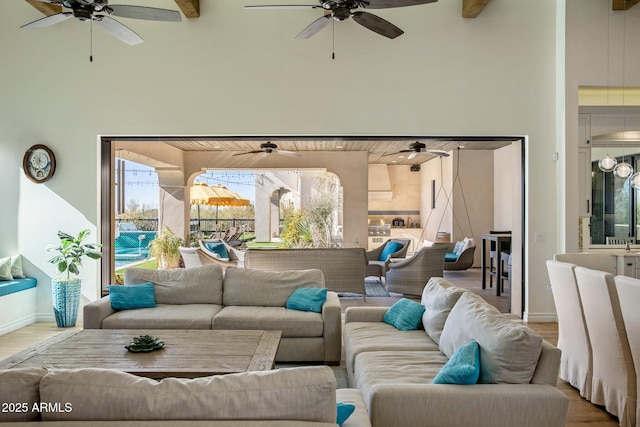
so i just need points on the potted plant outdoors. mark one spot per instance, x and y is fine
(165, 248)
(65, 291)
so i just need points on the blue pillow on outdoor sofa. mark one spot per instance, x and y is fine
(462, 368)
(450, 257)
(217, 248)
(389, 248)
(127, 297)
(307, 299)
(405, 315)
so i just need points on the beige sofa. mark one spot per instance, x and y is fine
(394, 369)
(304, 396)
(344, 269)
(204, 298)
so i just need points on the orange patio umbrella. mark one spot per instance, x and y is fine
(215, 195)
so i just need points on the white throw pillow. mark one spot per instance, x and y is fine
(16, 267)
(467, 242)
(5, 269)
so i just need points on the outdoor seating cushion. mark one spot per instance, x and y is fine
(509, 351)
(164, 316)
(219, 249)
(451, 257)
(266, 288)
(181, 285)
(292, 323)
(303, 394)
(363, 337)
(389, 248)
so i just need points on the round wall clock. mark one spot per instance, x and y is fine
(39, 163)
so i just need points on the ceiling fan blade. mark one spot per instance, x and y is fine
(148, 13)
(118, 30)
(247, 152)
(377, 24)
(439, 153)
(48, 20)
(386, 4)
(284, 6)
(412, 155)
(287, 153)
(314, 27)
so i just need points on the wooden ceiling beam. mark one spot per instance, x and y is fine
(190, 8)
(623, 4)
(472, 8)
(46, 8)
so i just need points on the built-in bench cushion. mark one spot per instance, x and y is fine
(19, 386)
(292, 323)
(438, 297)
(304, 394)
(360, 337)
(509, 351)
(181, 285)
(250, 287)
(17, 285)
(164, 316)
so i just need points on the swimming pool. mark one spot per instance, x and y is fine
(132, 246)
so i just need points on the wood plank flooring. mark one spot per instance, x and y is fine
(581, 412)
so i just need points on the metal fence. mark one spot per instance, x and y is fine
(207, 225)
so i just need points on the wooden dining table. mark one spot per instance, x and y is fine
(498, 239)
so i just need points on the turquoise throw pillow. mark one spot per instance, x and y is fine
(217, 248)
(344, 412)
(405, 315)
(450, 257)
(127, 297)
(389, 248)
(307, 299)
(462, 368)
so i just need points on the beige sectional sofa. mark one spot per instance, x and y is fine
(205, 298)
(394, 369)
(292, 397)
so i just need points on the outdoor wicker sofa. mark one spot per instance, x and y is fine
(343, 268)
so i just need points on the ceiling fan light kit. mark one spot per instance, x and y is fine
(341, 10)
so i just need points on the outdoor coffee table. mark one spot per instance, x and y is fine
(186, 353)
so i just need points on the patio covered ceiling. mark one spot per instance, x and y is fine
(381, 150)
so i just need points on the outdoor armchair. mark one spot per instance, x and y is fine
(409, 276)
(377, 266)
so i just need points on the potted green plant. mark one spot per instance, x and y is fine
(65, 291)
(165, 248)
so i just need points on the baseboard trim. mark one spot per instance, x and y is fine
(17, 324)
(540, 317)
(45, 317)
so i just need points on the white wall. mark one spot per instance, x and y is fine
(234, 71)
(505, 164)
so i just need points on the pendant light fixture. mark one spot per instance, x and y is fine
(624, 169)
(607, 163)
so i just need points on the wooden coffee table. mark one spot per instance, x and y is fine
(187, 353)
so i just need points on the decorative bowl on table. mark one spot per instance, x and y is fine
(144, 343)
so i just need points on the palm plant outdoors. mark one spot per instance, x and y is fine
(71, 250)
